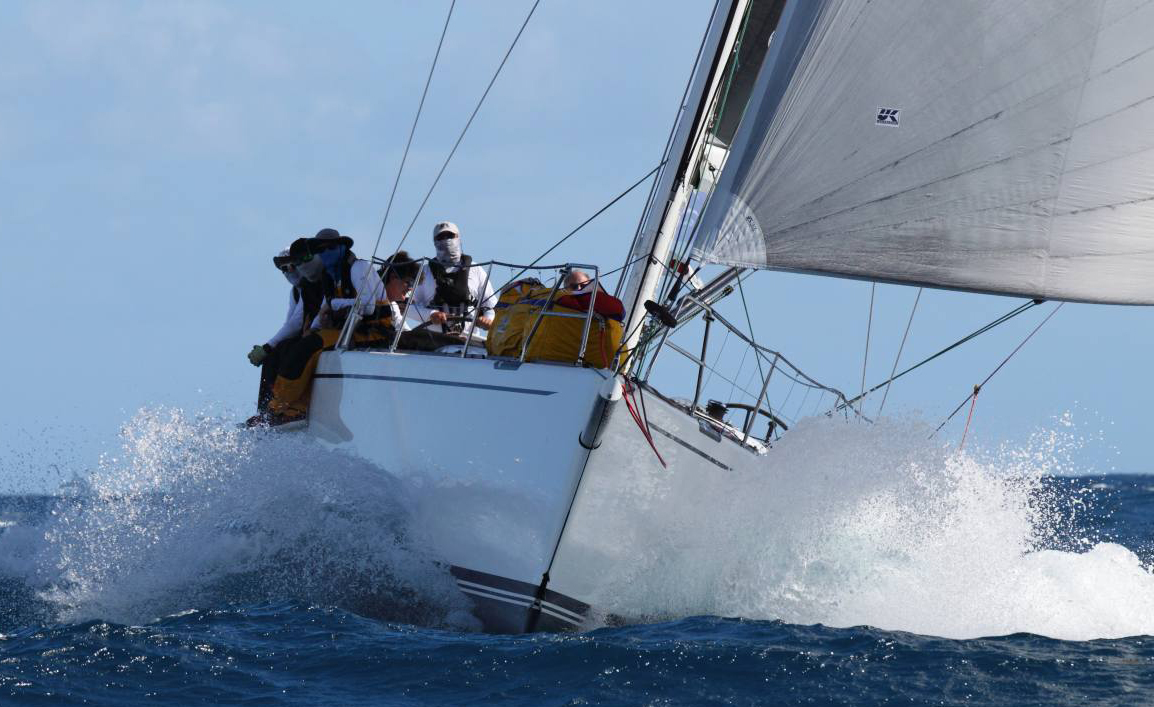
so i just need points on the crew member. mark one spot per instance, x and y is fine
(581, 291)
(451, 285)
(327, 261)
(398, 273)
(304, 305)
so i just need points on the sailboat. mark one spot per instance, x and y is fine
(980, 146)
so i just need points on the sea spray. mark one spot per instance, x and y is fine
(840, 524)
(850, 524)
(196, 513)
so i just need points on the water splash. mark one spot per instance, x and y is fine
(841, 525)
(196, 513)
(848, 524)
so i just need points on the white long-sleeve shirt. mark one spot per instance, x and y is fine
(368, 286)
(293, 320)
(480, 290)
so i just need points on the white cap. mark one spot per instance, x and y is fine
(446, 226)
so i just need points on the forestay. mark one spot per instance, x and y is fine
(984, 145)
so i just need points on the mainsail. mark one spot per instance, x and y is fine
(982, 145)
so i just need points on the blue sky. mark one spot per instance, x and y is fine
(154, 155)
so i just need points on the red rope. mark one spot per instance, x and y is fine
(641, 425)
(969, 417)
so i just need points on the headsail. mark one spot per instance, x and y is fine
(984, 145)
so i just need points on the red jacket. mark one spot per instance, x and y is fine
(606, 305)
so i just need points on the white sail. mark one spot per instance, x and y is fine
(983, 145)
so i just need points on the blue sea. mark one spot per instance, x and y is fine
(198, 566)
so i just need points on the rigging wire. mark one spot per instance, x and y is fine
(665, 154)
(740, 370)
(801, 406)
(618, 269)
(715, 111)
(901, 347)
(978, 388)
(679, 253)
(787, 395)
(583, 224)
(717, 360)
(412, 131)
(468, 123)
(749, 323)
(978, 332)
(820, 398)
(866, 357)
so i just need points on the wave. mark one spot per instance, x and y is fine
(847, 524)
(841, 524)
(196, 513)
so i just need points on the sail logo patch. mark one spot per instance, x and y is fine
(888, 117)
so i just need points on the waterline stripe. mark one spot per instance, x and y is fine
(433, 381)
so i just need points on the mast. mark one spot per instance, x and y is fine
(659, 225)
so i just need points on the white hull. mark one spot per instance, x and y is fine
(528, 518)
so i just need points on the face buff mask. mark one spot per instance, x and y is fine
(311, 269)
(293, 277)
(332, 259)
(448, 251)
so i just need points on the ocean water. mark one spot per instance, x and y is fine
(863, 565)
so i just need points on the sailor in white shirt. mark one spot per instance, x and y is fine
(267, 355)
(294, 318)
(345, 279)
(449, 285)
(327, 263)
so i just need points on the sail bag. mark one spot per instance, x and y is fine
(557, 339)
(981, 145)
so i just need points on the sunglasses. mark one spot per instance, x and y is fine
(287, 268)
(444, 236)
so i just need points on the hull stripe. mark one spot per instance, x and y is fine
(558, 607)
(434, 381)
(519, 602)
(493, 582)
(466, 586)
(494, 597)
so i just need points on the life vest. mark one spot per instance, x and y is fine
(452, 287)
(606, 304)
(342, 289)
(313, 295)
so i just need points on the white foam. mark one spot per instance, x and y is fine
(849, 524)
(843, 524)
(194, 513)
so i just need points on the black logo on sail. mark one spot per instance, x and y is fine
(888, 117)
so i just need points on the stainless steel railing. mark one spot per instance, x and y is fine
(562, 271)
(776, 366)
